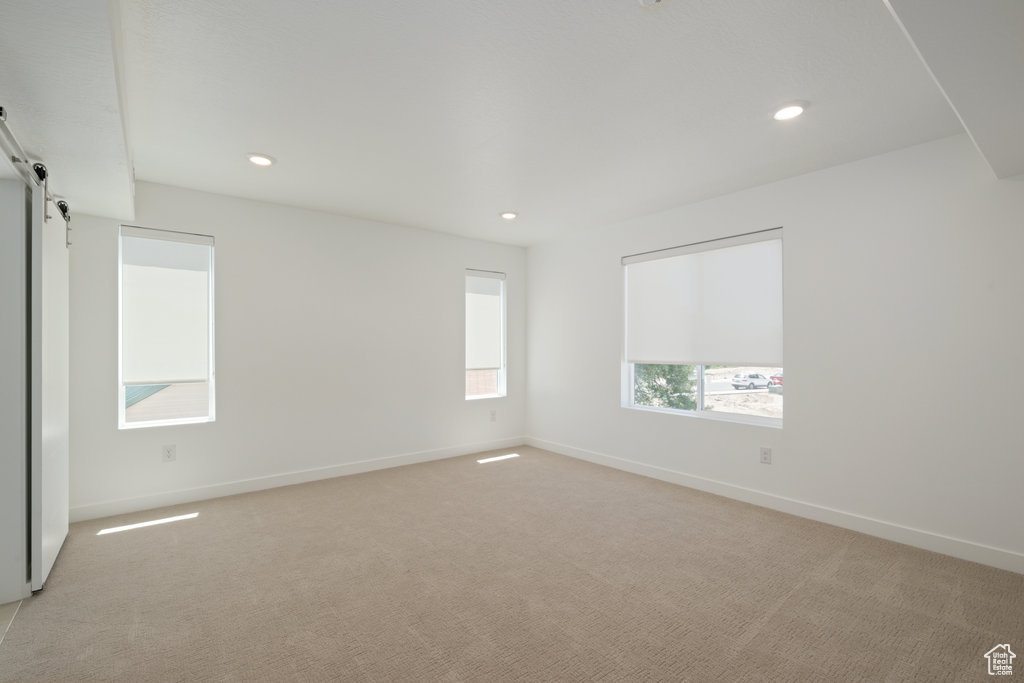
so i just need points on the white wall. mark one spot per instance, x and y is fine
(904, 340)
(14, 583)
(339, 348)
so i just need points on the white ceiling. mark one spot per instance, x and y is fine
(442, 114)
(58, 81)
(977, 58)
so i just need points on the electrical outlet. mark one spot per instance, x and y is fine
(494, 416)
(766, 455)
(169, 453)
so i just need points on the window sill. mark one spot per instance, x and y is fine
(164, 423)
(477, 398)
(752, 420)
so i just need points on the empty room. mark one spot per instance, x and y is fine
(421, 341)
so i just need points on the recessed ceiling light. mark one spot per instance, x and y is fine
(790, 111)
(261, 160)
(509, 215)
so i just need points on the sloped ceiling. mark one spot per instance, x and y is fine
(975, 52)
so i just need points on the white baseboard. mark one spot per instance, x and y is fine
(946, 545)
(80, 513)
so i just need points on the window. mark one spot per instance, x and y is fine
(485, 334)
(704, 329)
(165, 328)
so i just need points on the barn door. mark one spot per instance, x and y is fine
(48, 352)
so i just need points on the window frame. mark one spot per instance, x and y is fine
(628, 369)
(502, 371)
(629, 395)
(173, 236)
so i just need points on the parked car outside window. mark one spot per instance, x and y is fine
(750, 381)
(776, 379)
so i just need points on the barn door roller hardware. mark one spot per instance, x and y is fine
(32, 173)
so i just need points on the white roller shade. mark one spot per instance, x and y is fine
(165, 308)
(720, 305)
(483, 322)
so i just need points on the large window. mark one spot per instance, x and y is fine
(704, 329)
(485, 334)
(166, 328)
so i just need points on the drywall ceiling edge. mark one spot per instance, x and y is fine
(973, 56)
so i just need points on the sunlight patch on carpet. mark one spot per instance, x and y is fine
(499, 457)
(154, 522)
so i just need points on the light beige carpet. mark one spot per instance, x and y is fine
(535, 568)
(7, 612)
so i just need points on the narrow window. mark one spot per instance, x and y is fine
(485, 334)
(704, 328)
(166, 328)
